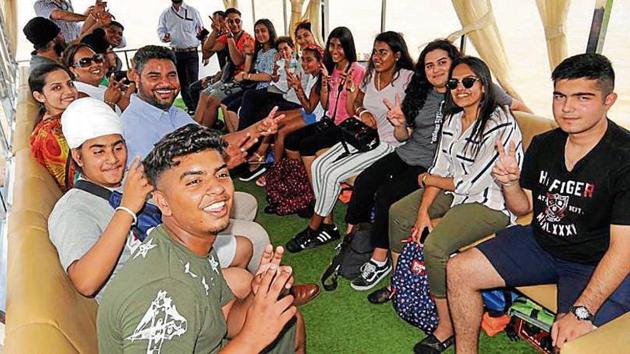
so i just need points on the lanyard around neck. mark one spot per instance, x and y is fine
(185, 18)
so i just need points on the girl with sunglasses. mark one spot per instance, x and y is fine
(52, 87)
(89, 71)
(417, 120)
(459, 187)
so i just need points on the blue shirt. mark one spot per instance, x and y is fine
(144, 125)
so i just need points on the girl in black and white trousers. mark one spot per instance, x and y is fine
(388, 74)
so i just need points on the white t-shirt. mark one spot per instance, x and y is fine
(373, 101)
(97, 92)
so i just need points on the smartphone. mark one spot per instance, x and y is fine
(121, 76)
(424, 234)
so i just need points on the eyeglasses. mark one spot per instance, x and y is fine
(235, 21)
(87, 61)
(467, 82)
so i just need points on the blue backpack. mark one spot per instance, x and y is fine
(149, 217)
(410, 288)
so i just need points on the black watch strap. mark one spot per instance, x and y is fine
(582, 313)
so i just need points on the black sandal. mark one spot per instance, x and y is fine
(380, 296)
(432, 345)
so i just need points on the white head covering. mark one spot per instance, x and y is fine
(88, 118)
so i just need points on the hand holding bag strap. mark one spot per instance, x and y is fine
(339, 90)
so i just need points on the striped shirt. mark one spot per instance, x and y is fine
(472, 174)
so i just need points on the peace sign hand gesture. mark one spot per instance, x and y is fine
(394, 112)
(506, 171)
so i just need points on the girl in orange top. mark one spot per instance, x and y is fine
(52, 87)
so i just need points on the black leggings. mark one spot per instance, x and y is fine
(382, 184)
(309, 140)
(256, 104)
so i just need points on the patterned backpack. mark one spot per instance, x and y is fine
(288, 188)
(410, 288)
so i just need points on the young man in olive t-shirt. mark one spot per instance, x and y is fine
(576, 180)
(171, 296)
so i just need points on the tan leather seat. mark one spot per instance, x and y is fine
(45, 314)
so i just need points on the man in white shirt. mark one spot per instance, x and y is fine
(180, 26)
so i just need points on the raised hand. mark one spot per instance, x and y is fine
(269, 312)
(506, 170)
(269, 125)
(344, 77)
(236, 153)
(126, 96)
(113, 94)
(248, 46)
(325, 75)
(395, 114)
(137, 187)
(214, 25)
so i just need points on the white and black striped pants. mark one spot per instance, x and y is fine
(328, 172)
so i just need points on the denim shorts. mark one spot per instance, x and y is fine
(520, 261)
(309, 118)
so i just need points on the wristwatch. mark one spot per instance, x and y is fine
(582, 313)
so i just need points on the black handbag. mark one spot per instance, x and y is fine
(352, 130)
(358, 135)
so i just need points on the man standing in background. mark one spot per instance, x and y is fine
(62, 14)
(180, 26)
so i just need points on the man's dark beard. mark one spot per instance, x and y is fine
(152, 100)
(59, 47)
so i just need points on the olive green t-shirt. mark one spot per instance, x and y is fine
(165, 300)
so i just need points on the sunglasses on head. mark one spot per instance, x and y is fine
(87, 61)
(467, 82)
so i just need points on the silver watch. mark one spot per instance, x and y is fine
(582, 313)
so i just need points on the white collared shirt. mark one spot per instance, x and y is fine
(182, 25)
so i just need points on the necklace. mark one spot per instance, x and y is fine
(379, 85)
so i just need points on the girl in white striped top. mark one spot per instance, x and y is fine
(459, 187)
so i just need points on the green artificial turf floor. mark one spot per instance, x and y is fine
(343, 321)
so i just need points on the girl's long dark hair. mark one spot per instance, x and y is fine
(487, 105)
(318, 55)
(397, 44)
(419, 86)
(344, 36)
(272, 38)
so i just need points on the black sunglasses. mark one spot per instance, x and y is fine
(467, 82)
(87, 61)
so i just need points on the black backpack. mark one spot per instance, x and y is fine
(354, 250)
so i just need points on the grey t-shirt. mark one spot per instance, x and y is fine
(419, 149)
(76, 223)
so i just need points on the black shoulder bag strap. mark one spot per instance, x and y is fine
(93, 189)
